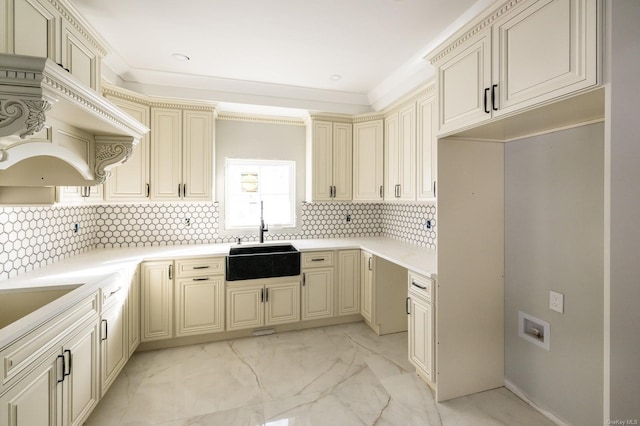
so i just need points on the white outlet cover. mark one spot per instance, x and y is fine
(556, 301)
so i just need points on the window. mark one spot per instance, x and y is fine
(250, 181)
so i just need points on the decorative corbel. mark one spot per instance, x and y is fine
(111, 151)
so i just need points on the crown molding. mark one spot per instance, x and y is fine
(482, 21)
(255, 118)
(71, 14)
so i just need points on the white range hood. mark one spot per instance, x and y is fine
(56, 131)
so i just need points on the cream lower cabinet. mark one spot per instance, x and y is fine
(199, 296)
(420, 311)
(258, 303)
(366, 286)
(156, 285)
(317, 284)
(63, 389)
(113, 339)
(348, 285)
(133, 312)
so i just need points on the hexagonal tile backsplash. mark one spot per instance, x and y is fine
(32, 237)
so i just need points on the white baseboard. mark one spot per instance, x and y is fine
(513, 388)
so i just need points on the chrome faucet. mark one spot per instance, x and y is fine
(263, 228)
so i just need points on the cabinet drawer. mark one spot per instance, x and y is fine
(422, 286)
(316, 259)
(112, 293)
(200, 266)
(18, 357)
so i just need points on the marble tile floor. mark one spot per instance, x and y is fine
(339, 375)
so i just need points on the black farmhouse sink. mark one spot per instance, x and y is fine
(264, 261)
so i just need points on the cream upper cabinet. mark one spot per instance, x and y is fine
(348, 285)
(368, 160)
(400, 155)
(426, 147)
(181, 154)
(330, 145)
(464, 82)
(156, 285)
(520, 56)
(199, 296)
(130, 181)
(50, 29)
(544, 50)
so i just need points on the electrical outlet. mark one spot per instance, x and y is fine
(348, 218)
(429, 224)
(556, 301)
(76, 228)
(187, 221)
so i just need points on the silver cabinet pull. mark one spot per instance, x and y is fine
(370, 267)
(434, 188)
(179, 189)
(407, 306)
(262, 295)
(106, 329)
(266, 295)
(381, 191)
(304, 279)
(170, 272)
(317, 259)
(184, 190)
(413, 283)
(201, 267)
(148, 190)
(201, 279)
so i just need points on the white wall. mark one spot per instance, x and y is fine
(622, 207)
(554, 221)
(265, 141)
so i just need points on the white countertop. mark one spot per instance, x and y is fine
(98, 266)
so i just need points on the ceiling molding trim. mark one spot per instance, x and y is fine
(472, 28)
(268, 119)
(362, 118)
(71, 14)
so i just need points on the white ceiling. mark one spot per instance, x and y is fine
(279, 53)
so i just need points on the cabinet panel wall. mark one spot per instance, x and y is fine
(348, 287)
(197, 155)
(426, 148)
(34, 30)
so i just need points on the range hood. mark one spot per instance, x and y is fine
(56, 131)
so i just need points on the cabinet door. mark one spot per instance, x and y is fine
(368, 166)
(197, 163)
(464, 83)
(79, 57)
(321, 160)
(407, 153)
(166, 154)
(245, 307)
(366, 288)
(348, 282)
(115, 351)
(133, 313)
(34, 400)
(421, 335)
(391, 160)
(81, 385)
(199, 305)
(157, 300)
(317, 293)
(130, 181)
(342, 161)
(426, 148)
(282, 303)
(546, 50)
(31, 30)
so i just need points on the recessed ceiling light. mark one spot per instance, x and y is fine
(180, 57)
(336, 77)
